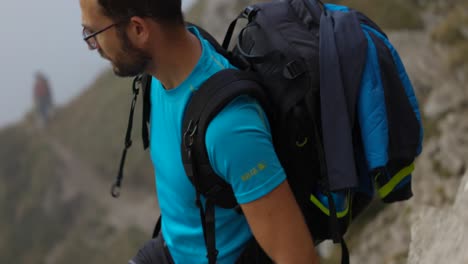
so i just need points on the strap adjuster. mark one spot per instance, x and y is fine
(293, 69)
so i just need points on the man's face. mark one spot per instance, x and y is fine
(113, 44)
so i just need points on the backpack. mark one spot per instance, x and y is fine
(343, 114)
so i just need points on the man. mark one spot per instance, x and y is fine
(42, 99)
(151, 36)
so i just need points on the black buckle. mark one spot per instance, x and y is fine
(190, 133)
(292, 70)
(250, 12)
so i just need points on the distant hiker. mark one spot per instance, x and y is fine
(268, 149)
(42, 99)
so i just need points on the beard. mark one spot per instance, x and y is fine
(130, 61)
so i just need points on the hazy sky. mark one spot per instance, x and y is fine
(46, 36)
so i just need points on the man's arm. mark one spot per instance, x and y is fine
(279, 227)
(240, 149)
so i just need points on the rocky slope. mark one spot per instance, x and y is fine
(56, 208)
(440, 235)
(429, 221)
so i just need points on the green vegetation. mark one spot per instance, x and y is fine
(452, 32)
(430, 127)
(390, 15)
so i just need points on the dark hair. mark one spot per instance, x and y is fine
(163, 11)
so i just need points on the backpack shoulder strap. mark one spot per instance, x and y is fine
(146, 84)
(215, 93)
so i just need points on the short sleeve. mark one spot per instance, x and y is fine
(241, 151)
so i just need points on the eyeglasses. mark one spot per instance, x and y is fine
(89, 37)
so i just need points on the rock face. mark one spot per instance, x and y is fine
(435, 228)
(441, 235)
(216, 15)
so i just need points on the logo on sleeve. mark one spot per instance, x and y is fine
(254, 171)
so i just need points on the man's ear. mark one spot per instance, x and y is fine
(138, 31)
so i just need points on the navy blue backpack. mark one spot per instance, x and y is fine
(344, 117)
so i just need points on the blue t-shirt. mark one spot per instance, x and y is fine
(240, 150)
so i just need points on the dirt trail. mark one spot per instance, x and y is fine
(130, 209)
(79, 179)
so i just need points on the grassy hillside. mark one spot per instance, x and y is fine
(94, 126)
(26, 177)
(38, 222)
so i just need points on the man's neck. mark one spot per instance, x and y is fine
(175, 59)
